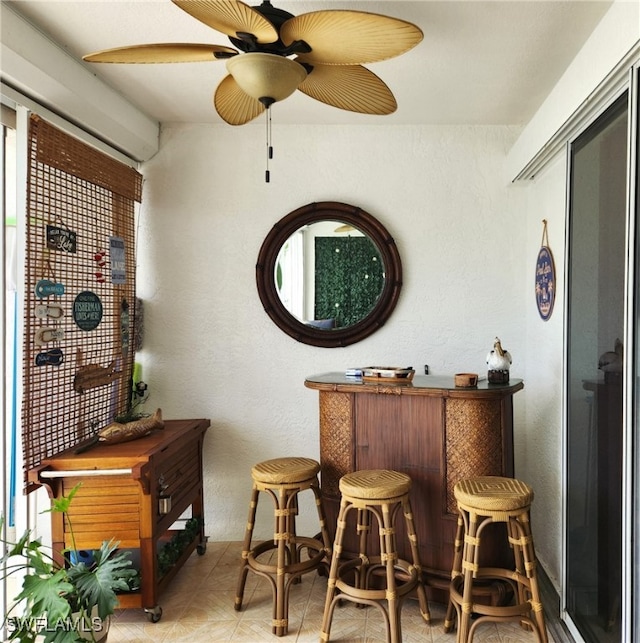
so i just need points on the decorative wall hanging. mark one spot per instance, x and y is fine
(90, 376)
(545, 277)
(78, 358)
(118, 263)
(61, 239)
(87, 310)
(101, 261)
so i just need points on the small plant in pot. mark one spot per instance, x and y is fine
(63, 603)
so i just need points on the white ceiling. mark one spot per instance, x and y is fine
(481, 62)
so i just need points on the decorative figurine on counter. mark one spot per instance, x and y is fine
(610, 363)
(499, 362)
(117, 432)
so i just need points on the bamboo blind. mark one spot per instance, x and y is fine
(80, 226)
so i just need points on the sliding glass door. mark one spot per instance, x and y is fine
(596, 307)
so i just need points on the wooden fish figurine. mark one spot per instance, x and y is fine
(116, 432)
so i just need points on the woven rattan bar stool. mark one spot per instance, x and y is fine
(383, 581)
(482, 501)
(283, 479)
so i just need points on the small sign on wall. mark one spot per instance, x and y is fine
(61, 239)
(87, 310)
(545, 278)
(118, 268)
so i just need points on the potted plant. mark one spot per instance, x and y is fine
(69, 602)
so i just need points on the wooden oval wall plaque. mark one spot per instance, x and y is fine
(545, 283)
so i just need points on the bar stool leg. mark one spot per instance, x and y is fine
(388, 557)
(530, 563)
(324, 532)
(246, 548)
(281, 538)
(330, 600)
(415, 558)
(468, 571)
(516, 538)
(292, 507)
(456, 571)
(364, 529)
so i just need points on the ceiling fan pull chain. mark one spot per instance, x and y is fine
(267, 174)
(270, 136)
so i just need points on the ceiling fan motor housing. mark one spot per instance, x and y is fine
(245, 42)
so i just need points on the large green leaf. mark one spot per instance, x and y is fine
(47, 594)
(61, 505)
(96, 585)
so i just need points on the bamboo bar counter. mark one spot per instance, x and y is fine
(124, 495)
(427, 428)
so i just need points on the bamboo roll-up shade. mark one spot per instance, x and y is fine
(79, 261)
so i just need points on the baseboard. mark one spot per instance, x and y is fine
(551, 602)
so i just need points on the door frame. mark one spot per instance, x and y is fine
(630, 600)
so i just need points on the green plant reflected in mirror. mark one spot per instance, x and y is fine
(329, 274)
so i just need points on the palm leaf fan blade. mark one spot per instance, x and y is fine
(350, 87)
(161, 53)
(345, 37)
(230, 17)
(233, 105)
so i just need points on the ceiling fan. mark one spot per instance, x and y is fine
(321, 53)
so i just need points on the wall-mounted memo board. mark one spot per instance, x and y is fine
(79, 310)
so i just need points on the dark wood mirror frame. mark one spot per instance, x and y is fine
(313, 213)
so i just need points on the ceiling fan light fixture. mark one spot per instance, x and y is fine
(266, 77)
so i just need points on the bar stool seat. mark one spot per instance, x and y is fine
(482, 501)
(382, 581)
(283, 479)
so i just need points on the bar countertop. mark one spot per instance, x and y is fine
(436, 385)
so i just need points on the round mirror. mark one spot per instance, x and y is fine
(329, 274)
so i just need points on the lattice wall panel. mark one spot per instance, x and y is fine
(79, 292)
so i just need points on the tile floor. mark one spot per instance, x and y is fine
(198, 608)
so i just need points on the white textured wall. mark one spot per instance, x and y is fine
(210, 349)
(539, 459)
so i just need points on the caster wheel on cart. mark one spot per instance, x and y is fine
(154, 614)
(201, 549)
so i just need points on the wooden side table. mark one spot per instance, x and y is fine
(133, 492)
